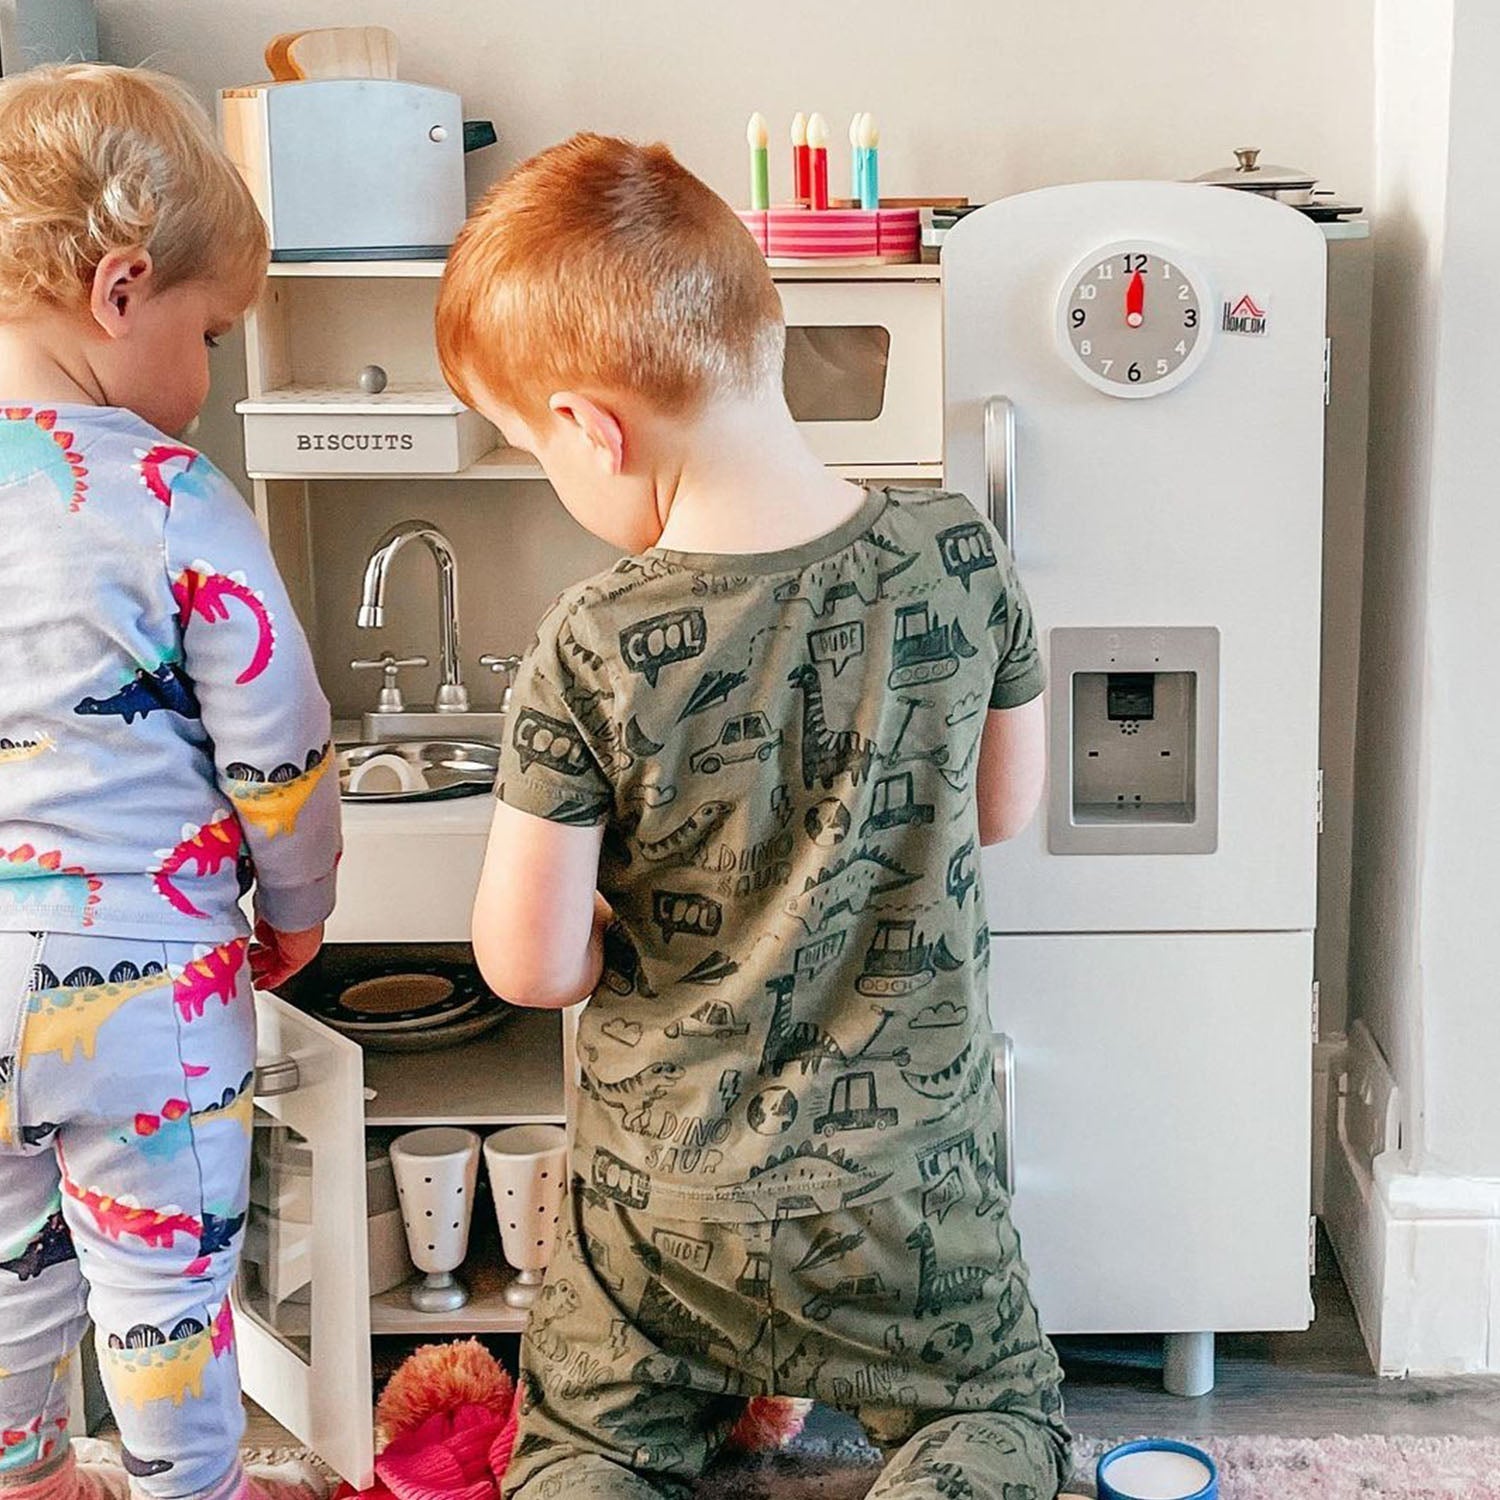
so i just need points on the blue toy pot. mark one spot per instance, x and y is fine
(1157, 1469)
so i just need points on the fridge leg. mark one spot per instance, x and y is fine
(1188, 1364)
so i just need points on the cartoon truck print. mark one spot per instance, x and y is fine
(745, 737)
(897, 962)
(893, 801)
(869, 1288)
(921, 651)
(713, 1018)
(852, 1105)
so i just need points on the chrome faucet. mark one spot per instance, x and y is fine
(452, 696)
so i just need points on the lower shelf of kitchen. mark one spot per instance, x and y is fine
(513, 1076)
(485, 1312)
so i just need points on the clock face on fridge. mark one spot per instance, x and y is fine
(1132, 319)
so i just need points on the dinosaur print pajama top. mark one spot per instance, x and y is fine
(787, 1167)
(164, 746)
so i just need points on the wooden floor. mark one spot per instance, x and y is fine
(1310, 1384)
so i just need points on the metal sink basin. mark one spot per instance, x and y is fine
(416, 770)
(483, 725)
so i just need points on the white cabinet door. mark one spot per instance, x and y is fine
(1200, 507)
(302, 1302)
(1162, 1115)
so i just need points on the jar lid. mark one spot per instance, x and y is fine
(1250, 174)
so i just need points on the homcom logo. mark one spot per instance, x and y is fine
(1245, 316)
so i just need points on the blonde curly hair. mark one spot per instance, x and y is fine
(95, 159)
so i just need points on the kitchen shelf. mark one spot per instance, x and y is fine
(485, 1312)
(370, 269)
(513, 1076)
(390, 269)
(499, 463)
(513, 463)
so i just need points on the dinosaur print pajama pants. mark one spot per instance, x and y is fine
(650, 1333)
(125, 1113)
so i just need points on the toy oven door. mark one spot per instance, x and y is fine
(302, 1301)
(864, 371)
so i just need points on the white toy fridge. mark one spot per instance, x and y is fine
(1135, 386)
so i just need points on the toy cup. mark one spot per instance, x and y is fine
(436, 1170)
(528, 1165)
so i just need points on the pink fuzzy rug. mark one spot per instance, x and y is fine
(1340, 1468)
(1250, 1468)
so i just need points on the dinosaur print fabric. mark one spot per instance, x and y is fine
(126, 1095)
(794, 1016)
(163, 739)
(650, 1334)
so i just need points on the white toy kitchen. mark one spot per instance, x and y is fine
(1153, 965)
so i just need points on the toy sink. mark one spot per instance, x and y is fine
(416, 770)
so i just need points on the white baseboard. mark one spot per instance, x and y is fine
(1420, 1252)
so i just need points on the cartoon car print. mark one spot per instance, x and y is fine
(713, 1018)
(850, 1289)
(746, 737)
(894, 802)
(852, 1105)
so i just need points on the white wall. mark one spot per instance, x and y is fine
(982, 97)
(1427, 859)
(977, 96)
(1460, 850)
(1413, 59)
(1418, 1230)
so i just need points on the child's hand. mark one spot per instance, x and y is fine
(275, 956)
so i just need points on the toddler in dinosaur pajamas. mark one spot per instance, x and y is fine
(773, 737)
(163, 743)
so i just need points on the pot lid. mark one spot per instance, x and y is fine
(1251, 174)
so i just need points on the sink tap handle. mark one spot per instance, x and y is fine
(502, 666)
(390, 700)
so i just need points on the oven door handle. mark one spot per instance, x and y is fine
(277, 1075)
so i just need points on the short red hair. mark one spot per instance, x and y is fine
(601, 264)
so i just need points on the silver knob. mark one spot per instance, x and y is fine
(277, 1075)
(389, 700)
(502, 666)
(1246, 157)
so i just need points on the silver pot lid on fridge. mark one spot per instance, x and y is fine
(1250, 175)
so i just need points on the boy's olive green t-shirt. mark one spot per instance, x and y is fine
(794, 1015)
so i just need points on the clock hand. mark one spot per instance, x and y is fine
(1135, 301)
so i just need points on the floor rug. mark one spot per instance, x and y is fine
(1250, 1468)
(842, 1467)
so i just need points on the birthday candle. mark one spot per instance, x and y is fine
(869, 141)
(758, 138)
(856, 161)
(817, 143)
(801, 162)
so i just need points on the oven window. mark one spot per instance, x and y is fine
(836, 373)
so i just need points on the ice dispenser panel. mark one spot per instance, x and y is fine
(1134, 745)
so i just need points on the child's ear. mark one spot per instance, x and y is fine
(120, 281)
(599, 427)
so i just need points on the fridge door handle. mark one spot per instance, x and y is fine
(1000, 466)
(1005, 1086)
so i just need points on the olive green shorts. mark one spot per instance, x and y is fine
(651, 1333)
